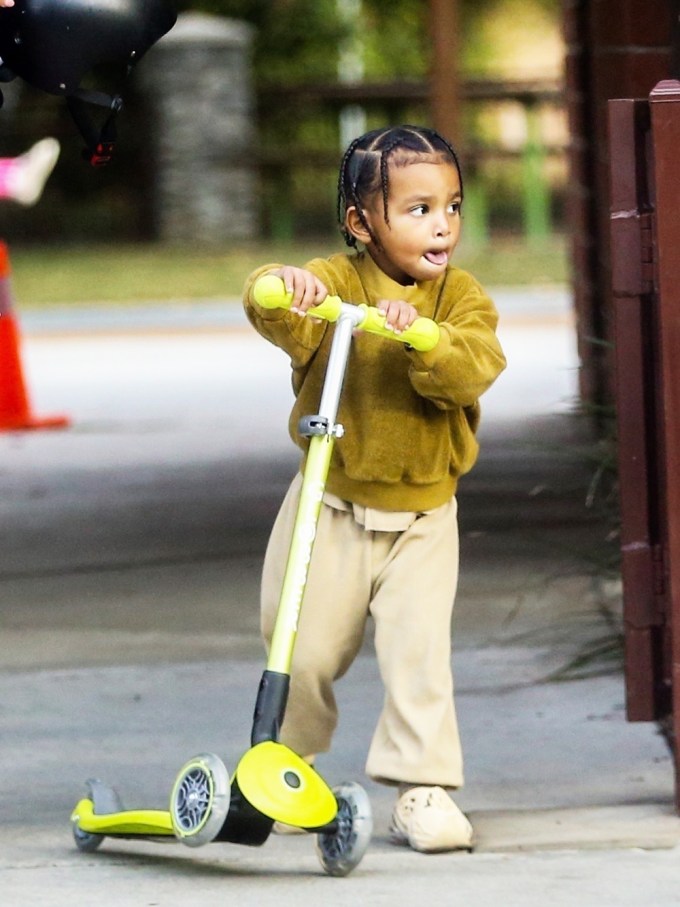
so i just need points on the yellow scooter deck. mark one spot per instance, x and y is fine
(153, 823)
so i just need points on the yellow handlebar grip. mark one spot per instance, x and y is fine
(422, 335)
(374, 321)
(270, 292)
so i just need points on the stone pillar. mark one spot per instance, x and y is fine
(199, 84)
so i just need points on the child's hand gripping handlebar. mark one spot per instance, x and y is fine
(270, 292)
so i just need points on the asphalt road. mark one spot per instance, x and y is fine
(165, 486)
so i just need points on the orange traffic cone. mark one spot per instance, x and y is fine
(15, 414)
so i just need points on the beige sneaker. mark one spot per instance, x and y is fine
(280, 828)
(428, 820)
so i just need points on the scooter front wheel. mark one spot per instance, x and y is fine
(341, 850)
(200, 798)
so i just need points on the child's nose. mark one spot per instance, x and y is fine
(442, 227)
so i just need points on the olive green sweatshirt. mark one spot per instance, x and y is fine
(410, 418)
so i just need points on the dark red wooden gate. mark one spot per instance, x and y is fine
(645, 230)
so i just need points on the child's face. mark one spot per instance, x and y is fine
(424, 221)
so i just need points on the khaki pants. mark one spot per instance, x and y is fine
(407, 582)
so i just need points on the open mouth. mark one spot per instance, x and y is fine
(437, 258)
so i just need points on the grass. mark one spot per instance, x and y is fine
(117, 274)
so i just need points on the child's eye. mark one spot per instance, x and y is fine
(419, 210)
(454, 207)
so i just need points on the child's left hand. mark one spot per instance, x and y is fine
(399, 315)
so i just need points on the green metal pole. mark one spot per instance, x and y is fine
(476, 212)
(281, 206)
(535, 188)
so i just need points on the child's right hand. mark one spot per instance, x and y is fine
(6, 2)
(306, 288)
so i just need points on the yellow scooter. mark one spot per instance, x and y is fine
(271, 782)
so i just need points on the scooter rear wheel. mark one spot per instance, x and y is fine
(85, 841)
(342, 850)
(104, 800)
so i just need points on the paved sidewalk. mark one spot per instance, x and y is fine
(126, 670)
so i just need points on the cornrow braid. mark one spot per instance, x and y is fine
(364, 169)
(384, 161)
(343, 194)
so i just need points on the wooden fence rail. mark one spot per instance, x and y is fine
(645, 231)
(293, 146)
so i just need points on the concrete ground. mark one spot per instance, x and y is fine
(130, 549)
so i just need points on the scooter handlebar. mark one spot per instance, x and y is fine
(270, 292)
(422, 334)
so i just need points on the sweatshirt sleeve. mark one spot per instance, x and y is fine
(468, 357)
(299, 337)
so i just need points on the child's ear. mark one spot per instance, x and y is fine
(355, 226)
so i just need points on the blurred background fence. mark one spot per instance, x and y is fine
(513, 157)
(207, 153)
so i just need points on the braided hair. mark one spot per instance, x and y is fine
(364, 166)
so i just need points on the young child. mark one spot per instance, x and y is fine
(387, 539)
